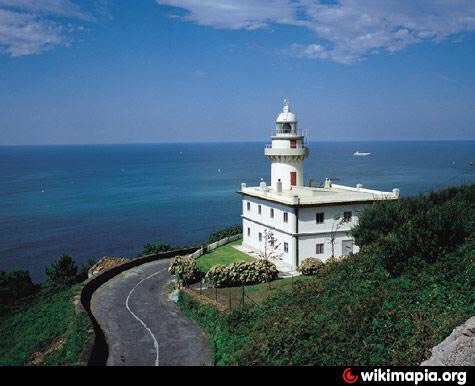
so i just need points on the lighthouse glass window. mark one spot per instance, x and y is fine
(286, 217)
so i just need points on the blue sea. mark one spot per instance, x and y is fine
(95, 200)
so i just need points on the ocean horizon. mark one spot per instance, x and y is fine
(94, 200)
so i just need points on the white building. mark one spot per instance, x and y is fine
(307, 221)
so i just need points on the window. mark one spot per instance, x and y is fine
(248, 206)
(286, 217)
(293, 143)
(249, 232)
(286, 247)
(260, 236)
(347, 216)
(319, 218)
(319, 249)
(259, 209)
(271, 212)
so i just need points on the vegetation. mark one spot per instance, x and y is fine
(310, 266)
(421, 228)
(225, 232)
(225, 255)
(185, 269)
(62, 272)
(154, 248)
(232, 297)
(242, 273)
(15, 285)
(36, 322)
(377, 307)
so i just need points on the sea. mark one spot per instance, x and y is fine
(91, 201)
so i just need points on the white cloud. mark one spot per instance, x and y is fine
(234, 14)
(29, 27)
(347, 30)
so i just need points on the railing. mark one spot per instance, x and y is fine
(299, 146)
(279, 131)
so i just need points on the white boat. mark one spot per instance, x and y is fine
(358, 153)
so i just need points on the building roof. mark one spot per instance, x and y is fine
(303, 195)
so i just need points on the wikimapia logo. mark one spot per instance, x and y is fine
(381, 375)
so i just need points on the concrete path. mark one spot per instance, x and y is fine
(142, 326)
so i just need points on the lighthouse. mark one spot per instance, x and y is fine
(286, 152)
(313, 220)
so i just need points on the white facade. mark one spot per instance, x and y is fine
(306, 221)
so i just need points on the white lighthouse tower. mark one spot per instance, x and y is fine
(308, 221)
(286, 152)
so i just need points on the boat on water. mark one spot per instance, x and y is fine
(358, 153)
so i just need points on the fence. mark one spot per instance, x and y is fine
(216, 244)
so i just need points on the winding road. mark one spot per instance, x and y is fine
(142, 326)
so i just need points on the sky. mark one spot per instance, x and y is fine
(151, 71)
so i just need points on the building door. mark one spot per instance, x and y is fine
(293, 143)
(293, 178)
(346, 247)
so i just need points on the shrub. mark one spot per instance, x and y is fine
(218, 275)
(84, 269)
(154, 248)
(15, 285)
(242, 273)
(417, 228)
(62, 272)
(225, 232)
(185, 269)
(310, 266)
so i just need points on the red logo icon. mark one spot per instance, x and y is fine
(349, 377)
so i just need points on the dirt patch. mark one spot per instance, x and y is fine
(39, 357)
(105, 263)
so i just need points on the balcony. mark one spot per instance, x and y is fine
(298, 151)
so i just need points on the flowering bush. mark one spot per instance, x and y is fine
(185, 269)
(242, 273)
(310, 266)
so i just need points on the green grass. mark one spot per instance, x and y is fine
(254, 294)
(225, 255)
(37, 321)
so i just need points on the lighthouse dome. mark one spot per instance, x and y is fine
(286, 116)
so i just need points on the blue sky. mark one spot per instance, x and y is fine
(217, 70)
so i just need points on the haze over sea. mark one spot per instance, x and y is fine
(95, 200)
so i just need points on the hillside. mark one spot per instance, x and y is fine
(410, 285)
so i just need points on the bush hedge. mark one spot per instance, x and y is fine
(242, 273)
(185, 269)
(310, 266)
(225, 232)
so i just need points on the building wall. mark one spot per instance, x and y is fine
(309, 232)
(307, 217)
(253, 242)
(259, 222)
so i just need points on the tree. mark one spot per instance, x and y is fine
(154, 248)
(62, 272)
(271, 247)
(15, 285)
(333, 233)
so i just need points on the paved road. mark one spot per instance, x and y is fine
(142, 327)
